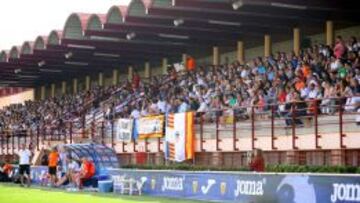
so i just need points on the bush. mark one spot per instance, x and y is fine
(282, 168)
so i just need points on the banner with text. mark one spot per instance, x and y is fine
(124, 130)
(149, 127)
(246, 187)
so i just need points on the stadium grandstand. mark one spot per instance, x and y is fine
(202, 82)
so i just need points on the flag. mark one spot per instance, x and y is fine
(179, 136)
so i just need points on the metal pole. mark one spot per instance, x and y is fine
(13, 142)
(2, 143)
(92, 130)
(83, 126)
(253, 138)
(134, 149)
(37, 137)
(293, 127)
(18, 139)
(112, 134)
(201, 132)
(342, 135)
(235, 139)
(273, 138)
(71, 132)
(25, 138)
(7, 143)
(102, 133)
(317, 136)
(217, 133)
(159, 144)
(146, 145)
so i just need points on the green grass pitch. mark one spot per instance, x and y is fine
(10, 193)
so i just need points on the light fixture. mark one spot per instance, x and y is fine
(237, 4)
(68, 55)
(76, 63)
(41, 63)
(178, 22)
(18, 70)
(106, 55)
(219, 22)
(130, 35)
(45, 70)
(290, 6)
(80, 46)
(105, 38)
(173, 36)
(28, 76)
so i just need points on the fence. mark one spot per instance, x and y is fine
(273, 128)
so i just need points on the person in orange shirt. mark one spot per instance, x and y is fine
(53, 162)
(190, 64)
(299, 84)
(306, 70)
(87, 172)
(5, 172)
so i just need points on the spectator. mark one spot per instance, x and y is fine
(257, 162)
(6, 171)
(87, 171)
(339, 49)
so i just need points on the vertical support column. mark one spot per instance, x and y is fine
(87, 83)
(130, 72)
(147, 70)
(267, 45)
(184, 59)
(115, 77)
(216, 56)
(329, 32)
(292, 157)
(164, 65)
(53, 90)
(240, 52)
(296, 32)
(101, 79)
(42, 92)
(63, 87)
(338, 157)
(75, 85)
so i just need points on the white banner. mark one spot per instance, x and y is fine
(179, 139)
(123, 130)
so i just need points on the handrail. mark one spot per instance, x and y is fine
(99, 130)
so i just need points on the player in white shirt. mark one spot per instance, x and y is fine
(24, 164)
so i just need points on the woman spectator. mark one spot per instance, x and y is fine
(339, 49)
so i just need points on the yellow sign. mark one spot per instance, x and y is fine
(151, 126)
(223, 188)
(195, 185)
(153, 184)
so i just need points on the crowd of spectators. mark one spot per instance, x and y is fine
(51, 111)
(287, 81)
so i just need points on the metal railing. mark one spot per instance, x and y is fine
(248, 121)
